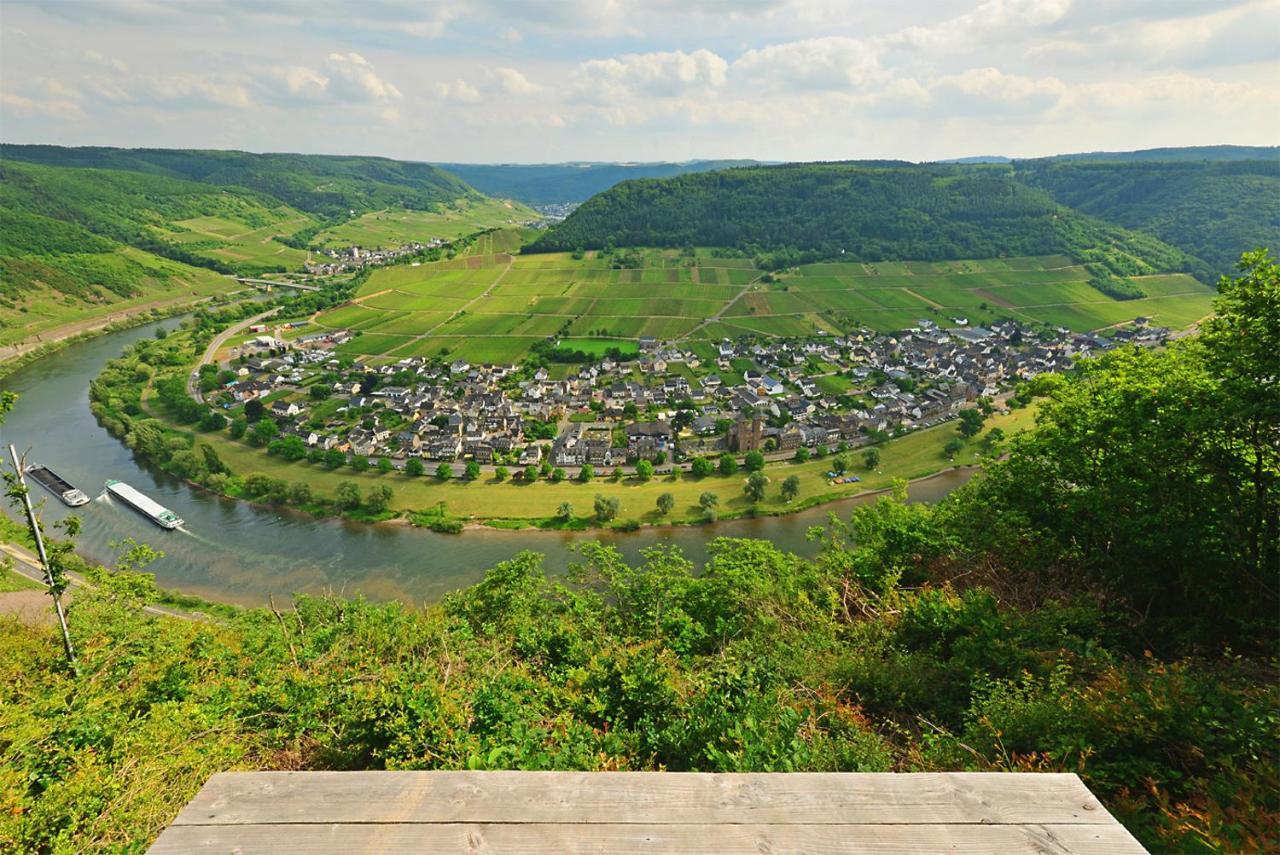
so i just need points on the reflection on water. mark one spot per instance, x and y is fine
(236, 552)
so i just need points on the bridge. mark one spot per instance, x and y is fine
(270, 282)
(558, 812)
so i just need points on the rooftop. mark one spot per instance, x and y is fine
(554, 812)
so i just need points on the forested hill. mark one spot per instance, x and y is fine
(1212, 209)
(858, 211)
(328, 186)
(558, 183)
(1182, 154)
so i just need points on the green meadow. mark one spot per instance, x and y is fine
(394, 227)
(493, 306)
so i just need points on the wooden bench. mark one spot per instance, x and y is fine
(557, 812)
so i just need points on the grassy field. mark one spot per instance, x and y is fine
(493, 306)
(40, 311)
(394, 227)
(248, 243)
(913, 456)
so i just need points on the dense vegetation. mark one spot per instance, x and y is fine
(331, 187)
(1212, 210)
(1103, 601)
(559, 183)
(857, 212)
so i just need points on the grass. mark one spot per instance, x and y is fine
(396, 227)
(512, 302)
(913, 456)
(39, 311)
(247, 244)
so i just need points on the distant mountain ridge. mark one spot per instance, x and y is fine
(565, 183)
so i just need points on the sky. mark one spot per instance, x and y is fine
(537, 81)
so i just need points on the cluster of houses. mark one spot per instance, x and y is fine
(666, 403)
(355, 258)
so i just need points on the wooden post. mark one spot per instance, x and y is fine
(34, 525)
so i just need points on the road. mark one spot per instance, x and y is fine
(297, 285)
(193, 388)
(26, 564)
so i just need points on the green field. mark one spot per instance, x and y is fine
(492, 307)
(248, 243)
(42, 306)
(396, 227)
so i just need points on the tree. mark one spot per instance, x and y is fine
(253, 410)
(379, 499)
(358, 463)
(472, 470)
(790, 488)
(701, 467)
(320, 391)
(333, 458)
(414, 467)
(501, 473)
(755, 486)
(871, 458)
(565, 511)
(644, 470)
(728, 465)
(385, 465)
(753, 461)
(291, 448)
(971, 422)
(801, 455)
(840, 464)
(557, 475)
(444, 471)
(953, 447)
(994, 437)
(530, 474)
(263, 432)
(300, 493)
(346, 496)
(586, 473)
(238, 427)
(666, 502)
(708, 500)
(606, 507)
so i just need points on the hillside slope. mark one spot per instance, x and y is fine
(562, 183)
(857, 211)
(1213, 210)
(331, 187)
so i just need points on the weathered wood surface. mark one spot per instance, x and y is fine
(623, 812)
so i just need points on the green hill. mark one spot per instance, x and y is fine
(1213, 210)
(331, 187)
(858, 212)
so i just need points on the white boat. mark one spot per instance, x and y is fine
(152, 510)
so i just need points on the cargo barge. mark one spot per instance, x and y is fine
(60, 487)
(150, 509)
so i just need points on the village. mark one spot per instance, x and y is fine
(353, 258)
(664, 405)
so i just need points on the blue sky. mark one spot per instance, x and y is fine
(556, 80)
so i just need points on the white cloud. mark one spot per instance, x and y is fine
(662, 73)
(459, 91)
(832, 62)
(512, 82)
(53, 108)
(342, 78)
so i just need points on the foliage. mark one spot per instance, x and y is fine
(795, 213)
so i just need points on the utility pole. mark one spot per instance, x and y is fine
(38, 536)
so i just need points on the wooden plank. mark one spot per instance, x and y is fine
(644, 797)
(554, 839)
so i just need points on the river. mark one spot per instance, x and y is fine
(236, 552)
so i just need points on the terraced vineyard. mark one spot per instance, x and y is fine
(495, 307)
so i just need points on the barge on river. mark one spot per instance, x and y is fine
(60, 487)
(150, 509)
